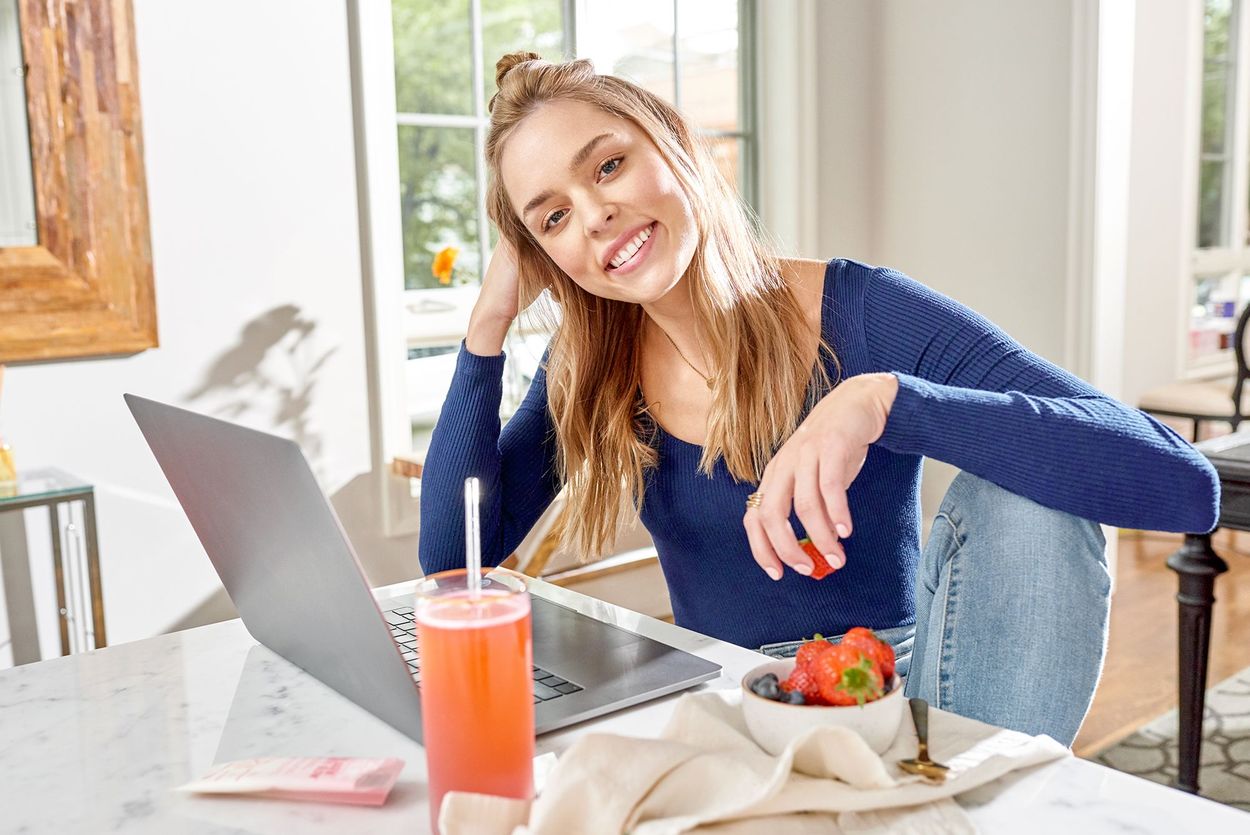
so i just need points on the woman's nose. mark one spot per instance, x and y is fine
(599, 218)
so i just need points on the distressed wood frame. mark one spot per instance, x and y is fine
(86, 289)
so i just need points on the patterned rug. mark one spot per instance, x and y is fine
(1224, 772)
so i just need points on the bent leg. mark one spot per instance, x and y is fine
(1012, 604)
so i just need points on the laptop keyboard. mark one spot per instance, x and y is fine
(547, 686)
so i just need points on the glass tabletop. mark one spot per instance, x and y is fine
(40, 483)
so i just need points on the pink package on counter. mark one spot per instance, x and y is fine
(320, 779)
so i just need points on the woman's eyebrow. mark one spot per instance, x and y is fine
(578, 159)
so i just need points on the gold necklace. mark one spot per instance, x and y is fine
(706, 378)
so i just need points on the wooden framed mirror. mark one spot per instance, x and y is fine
(84, 286)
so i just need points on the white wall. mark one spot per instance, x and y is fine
(945, 151)
(944, 143)
(251, 187)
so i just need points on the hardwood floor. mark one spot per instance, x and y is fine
(1140, 677)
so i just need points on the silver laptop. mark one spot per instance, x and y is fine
(277, 545)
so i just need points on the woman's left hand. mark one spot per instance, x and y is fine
(812, 472)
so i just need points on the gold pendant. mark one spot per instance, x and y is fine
(709, 383)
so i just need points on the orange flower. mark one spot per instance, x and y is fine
(443, 264)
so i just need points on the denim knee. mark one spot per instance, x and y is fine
(1015, 592)
(1020, 528)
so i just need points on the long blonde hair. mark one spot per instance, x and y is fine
(749, 316)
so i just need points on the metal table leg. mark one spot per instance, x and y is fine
(58, 565)
(93, 570)
(19, 592)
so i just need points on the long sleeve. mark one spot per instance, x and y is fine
(515, 466)
(971, 396)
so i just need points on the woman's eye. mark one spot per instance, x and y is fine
(547, 222)
(615, 162)
(554, 217)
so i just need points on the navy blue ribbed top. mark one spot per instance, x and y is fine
(968, 394)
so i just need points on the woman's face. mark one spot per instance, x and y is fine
(590, 187)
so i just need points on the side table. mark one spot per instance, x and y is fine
(1197, 565)
(79, 599)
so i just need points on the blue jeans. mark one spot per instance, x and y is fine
(1012, 605)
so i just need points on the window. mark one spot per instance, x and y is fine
(695, 54)
(1221, 263)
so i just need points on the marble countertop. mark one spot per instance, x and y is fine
(96, 742)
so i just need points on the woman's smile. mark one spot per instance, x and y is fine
(632, 262)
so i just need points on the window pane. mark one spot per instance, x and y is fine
(428, 374)
(1215, 86)
(1217, 19)
(708, 41)
(1219, 64)
(1211, 203)
(1213, 317)
(513, 25)
(634, 41)
(433, 56)
(438, 204)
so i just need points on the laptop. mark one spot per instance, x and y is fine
(275, 541)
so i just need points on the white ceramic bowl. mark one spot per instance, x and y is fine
(775, 724)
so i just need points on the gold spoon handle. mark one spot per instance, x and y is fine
(920, 716)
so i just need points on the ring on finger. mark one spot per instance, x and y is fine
(755, 500)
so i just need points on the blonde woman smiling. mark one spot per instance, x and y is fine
(739, 401)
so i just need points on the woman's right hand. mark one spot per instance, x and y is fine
(497, 303)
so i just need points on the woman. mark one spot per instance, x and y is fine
(715, 387)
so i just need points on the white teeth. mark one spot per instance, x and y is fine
(626, 252)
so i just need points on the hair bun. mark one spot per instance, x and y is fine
(507, 62)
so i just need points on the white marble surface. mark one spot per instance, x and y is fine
(95, 743)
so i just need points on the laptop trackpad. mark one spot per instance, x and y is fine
(587, 651)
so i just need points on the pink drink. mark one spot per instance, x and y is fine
(477, 692)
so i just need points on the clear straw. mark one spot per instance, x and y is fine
(473, 536)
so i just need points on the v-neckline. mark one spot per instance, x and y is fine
(826, 312)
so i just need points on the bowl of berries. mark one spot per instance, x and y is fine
(849, 684)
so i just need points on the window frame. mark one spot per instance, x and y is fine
(376, 122)
(1233, 258)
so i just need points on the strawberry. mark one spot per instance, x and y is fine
(845, 675)
(875, 648)
(820, 566)
(810, 650)
(802, 680)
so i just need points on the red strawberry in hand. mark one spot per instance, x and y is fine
(847, 676)
(820, 566)
(872, 646)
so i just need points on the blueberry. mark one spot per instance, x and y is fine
(766, 686)
(793, 697)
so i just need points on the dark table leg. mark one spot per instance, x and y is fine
(1197, 565)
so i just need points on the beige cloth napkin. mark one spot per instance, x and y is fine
(706, 774)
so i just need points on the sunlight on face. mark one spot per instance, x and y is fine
(602, 202)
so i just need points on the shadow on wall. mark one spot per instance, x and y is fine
(272, 370)
(275, 365)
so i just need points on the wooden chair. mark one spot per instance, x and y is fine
(1225, 400)
(533, 554)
